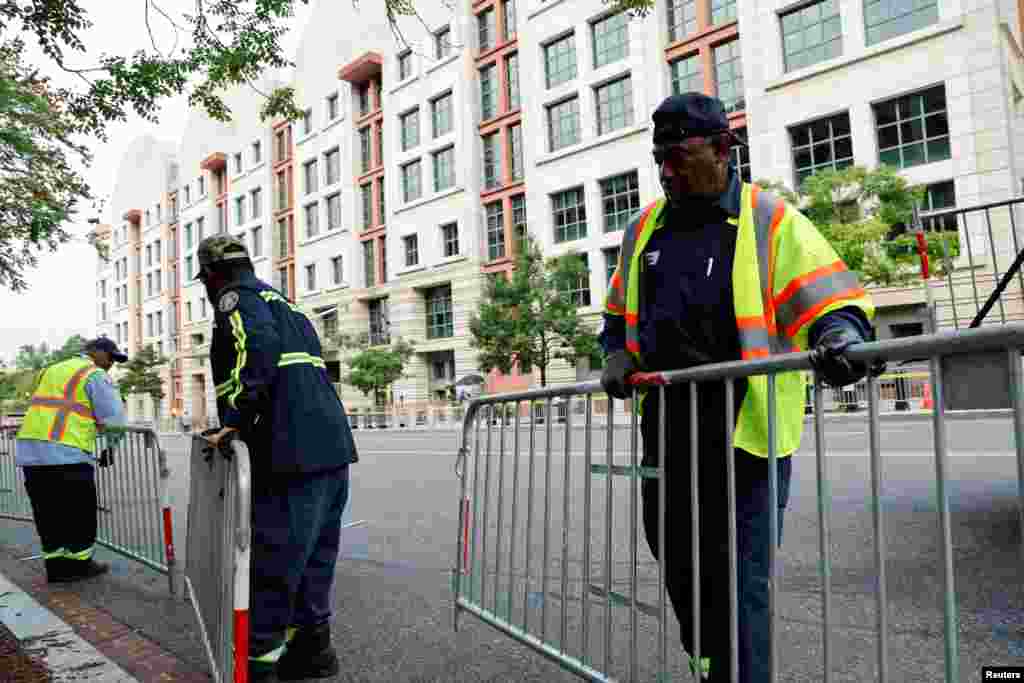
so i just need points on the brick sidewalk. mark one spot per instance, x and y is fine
(132, 651)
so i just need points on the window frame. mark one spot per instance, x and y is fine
(411, 249)
(571, 72)
(450, 239)
(408, 196)
(628, 113)
(443, 114)
(574, 102)
(900, 122)
(409, 125)
(580, 207)
(619, 217)
(597, 37)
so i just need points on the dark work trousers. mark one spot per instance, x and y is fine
(64, 505)
(753, 507)
(296, 538)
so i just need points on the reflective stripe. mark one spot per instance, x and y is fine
(272, 656)
(55, 555)
(238, 330)
(806, 292)
(810, 314)
(80, 555)
(52, 402)
(300, 358)
(60, 420)
(269, 295)
(224, 388)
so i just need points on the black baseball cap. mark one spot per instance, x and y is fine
(689, 115)
(108, 345)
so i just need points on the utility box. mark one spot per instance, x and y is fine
(976, 381)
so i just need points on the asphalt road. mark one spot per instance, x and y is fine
(393, 593)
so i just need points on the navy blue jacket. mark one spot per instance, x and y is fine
(272, 384)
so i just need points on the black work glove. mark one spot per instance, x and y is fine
(615, 377)
(829, 359)
(106, 458)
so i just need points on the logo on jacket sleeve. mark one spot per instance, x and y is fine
(652, 257)
(228, 301)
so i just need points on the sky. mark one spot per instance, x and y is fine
(61, 297)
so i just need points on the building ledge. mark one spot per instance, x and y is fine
(362, 69)
(215, 162)
(133, 215)
(589, 144)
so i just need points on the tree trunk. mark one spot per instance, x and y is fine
(543, 376)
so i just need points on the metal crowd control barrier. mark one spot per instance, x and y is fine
(564, 580)
(219, 546)
(134, 515)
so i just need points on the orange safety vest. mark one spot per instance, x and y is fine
(60, 410)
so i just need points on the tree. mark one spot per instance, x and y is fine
(864, 214)
(141, 377)
(72, 347)
(31, 357)
(531, 319)
(374, 368)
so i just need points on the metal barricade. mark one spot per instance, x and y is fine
(547, 556)
(218, 554)
(134, 515)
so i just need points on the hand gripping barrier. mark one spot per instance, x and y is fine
(134, 513)
(550, 560)
(219, 547)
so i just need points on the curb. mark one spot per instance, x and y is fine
(65, 653)
(82, 640)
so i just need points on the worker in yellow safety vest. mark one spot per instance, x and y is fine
(717, 271)
(56, 447)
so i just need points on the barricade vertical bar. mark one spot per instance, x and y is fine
(941, 472)
(662, 550)
(501, 500)
(882, 602)
(1016, 247)
(730, 469)
(1016, 386)
(694, 527)
(529, 515)
(463, 521)
(970, 260)
(150, 485)
(119, 510)
(588, 480)
(633, 541)
(995, 262)
(566, 512)
(608, 495)
(949, 284)
(475, 516)
(546, 559)
(137, 506)
(824, 544)
(515, 507)
(487, 507)
(773, 525)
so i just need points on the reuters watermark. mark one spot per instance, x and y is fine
(1002, 673)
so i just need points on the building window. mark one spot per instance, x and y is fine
(367, 195)
(722, 12)
(336, 270)
(412, 250)
(202, 308)
(282, 191)
(281, 147)
(256, 202)
(238, 162)
(405, 65)
(332, 159)
(564, 124)
(913, 129)
(940, 197)
(579, 291)
(620, 197)
(682, 19)
(257, 242)
(442, 43)
(515, 137)
(311, 277)
(363, 94)
(188, 236)
(686, 75)
(729, 76)
(491, 167)
(201, 186)
(519, 220)
(884, 19)
(569, 214)
(257, 152)
(158, 280)
(611, 262)
(159, 323)
(307, 122)
(312, 220)
(282, 238)
(334, 211)
(611, 39)
(825, 143)
(411, 181)
(495, 213)
(188, 268)
(379, 323)
(444, 169)
(486, 29)
(239, 210)
(441, 114)
(332, 107)
(379, 139)
(614, 105)
(560, 61)
(369, 264)
(364, 149)
(188, 311)
(741, 155)
(812, 34)
(508, 9)
(381, 211)
(488, 93)
(330, 324)
(440, 321)
(188, 196)
(156, 252)
(410, 124)
(282, 281)
(450, 237)
(149, 254)
(149, 284)
(311, 176)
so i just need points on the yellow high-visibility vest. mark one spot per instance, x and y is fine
(785, 276)
(60, 410)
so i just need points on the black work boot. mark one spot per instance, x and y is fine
(263, 672)
(309, 655)
(57, 570)
(81, 569)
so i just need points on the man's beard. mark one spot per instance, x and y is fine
(703, 181)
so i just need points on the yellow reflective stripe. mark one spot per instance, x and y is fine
(271, 657)
(80, 555)
(223, 389)
(238, 330)
(300, 358)
(269, 296)
(55, 555)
